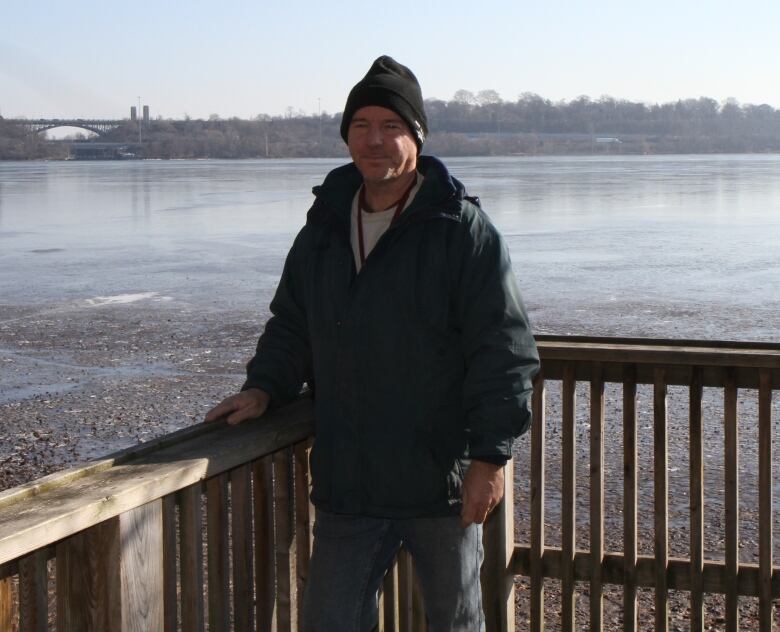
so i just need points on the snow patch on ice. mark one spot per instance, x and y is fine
(125, 299)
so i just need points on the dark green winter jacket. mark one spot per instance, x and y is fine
(422, 360)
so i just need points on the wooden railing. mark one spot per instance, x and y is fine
(207, 528)
(210, 527)
(716, 444)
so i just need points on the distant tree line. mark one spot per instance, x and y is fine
(470, 124)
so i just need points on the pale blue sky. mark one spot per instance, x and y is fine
(93, 59)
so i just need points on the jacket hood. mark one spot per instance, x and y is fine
(439, 189)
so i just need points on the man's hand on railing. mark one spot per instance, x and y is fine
(245, 405)
(483, 489)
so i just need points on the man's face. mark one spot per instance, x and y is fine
(381, 144)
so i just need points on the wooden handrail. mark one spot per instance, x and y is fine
(678, 358)
(607, 350)
(44, 514)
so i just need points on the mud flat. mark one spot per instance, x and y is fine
(81, 382)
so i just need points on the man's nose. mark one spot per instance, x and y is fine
(375, 135)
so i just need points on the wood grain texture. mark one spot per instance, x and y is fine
(596, 498)
(661, 501)
(765, 449)
(405, 588)
(265, 578)
(498, 588)
(696, 460)
(537, 505)
(568, 497)
(241, 529)
(731, 483)
(191, 561)
(7, 614)
(170, 555)
(141, 568)
(88, 580)
(218, 563)
(678, 571)
(33, 593)
(390, 615)
(755, 356)
(110, 577)
(629, 499)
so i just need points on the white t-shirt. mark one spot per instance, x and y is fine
(374, 224)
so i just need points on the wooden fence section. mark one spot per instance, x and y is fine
(206, 529)
(630, 363)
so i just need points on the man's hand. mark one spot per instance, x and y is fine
(483, 489)
(245, 405)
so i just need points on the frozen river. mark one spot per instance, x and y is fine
(672, 246)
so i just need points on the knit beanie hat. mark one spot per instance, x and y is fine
(393, 86)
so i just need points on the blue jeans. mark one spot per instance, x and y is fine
(352, 554)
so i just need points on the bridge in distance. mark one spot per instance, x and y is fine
(97, 126)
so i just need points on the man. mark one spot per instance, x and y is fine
(398, 306)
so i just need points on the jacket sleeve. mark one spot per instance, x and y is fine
(282, 361)
(499, 350)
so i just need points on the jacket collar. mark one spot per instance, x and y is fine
(439, 194)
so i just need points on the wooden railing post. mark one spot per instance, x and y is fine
(33, 592)
(536, 606)
(110, 577)
(498, 586)
(6, 604)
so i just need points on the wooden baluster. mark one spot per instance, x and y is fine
(286, 602)
(390, 591)
(170, 553)
(660, 501)
(262, 471)
(7, 614)
(696, 460)
(87, 579)
(141, 567)
(405, 588)
(218, 553)
(241, 531)
(33, 593)
(765, 500)
(596, 498)
(731, 475)
(110, 576)
(569, 497)
(537, 505)
(498, 586)
(191, 548)
(629, 500)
